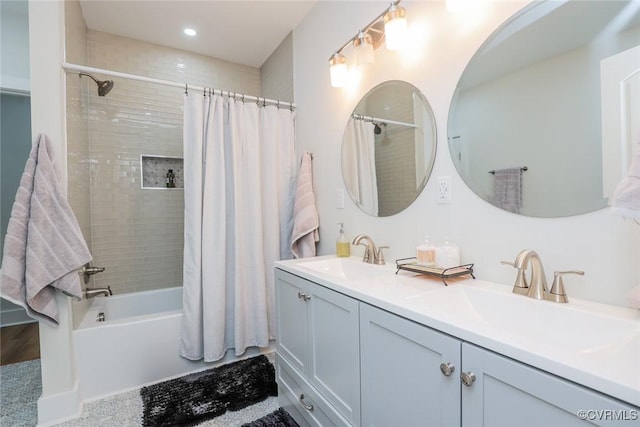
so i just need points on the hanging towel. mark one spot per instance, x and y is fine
(44, 247)
(508, 189)
(626, 198)
(305, 214)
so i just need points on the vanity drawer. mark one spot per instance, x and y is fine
(300, 395)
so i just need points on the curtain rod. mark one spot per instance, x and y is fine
(82, 68)
(379, 120)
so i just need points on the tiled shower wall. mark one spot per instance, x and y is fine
(135, 233)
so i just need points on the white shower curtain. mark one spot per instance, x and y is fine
(239, 165)
(360, 155)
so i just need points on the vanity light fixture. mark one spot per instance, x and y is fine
(395, 36)
(363, 48)
(339, 70)
(395, 27)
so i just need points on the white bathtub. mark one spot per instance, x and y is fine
(136, 345)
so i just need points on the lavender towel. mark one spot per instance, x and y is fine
(305, 213)
(44, 246)
(508, 189)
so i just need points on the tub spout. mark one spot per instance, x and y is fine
(90, 293)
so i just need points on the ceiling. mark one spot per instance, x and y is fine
(241, 31)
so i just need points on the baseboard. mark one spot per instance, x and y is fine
(59, 407)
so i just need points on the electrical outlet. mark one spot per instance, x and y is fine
(444, 189)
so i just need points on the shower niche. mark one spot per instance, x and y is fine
(161, 172)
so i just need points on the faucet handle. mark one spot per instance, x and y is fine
(521, 285)
(557, 292)
(380, 256)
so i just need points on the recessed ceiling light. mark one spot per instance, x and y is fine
(190, 32)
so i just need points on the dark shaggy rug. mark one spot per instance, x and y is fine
(278, 418)
(194, 398)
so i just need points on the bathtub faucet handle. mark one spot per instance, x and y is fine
(87, 271)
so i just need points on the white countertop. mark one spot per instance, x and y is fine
(595, 345)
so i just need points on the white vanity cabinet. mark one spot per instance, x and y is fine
(319, 354)
(344, 361)
(401, 380)
(508, 393)
(412, 375)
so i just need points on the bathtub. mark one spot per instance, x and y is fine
(136, 345)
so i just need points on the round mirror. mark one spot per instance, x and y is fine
(388, 148)
(546, 113)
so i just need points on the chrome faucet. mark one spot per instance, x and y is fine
(538, 283)
(537, 286)
(92, 292)
(372, 255)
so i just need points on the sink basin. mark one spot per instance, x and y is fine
(532, 323)
(345, 268)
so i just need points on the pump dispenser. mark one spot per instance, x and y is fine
(343, 246)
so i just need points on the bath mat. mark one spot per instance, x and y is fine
(189, 400)
(278, 418)
(20, 388)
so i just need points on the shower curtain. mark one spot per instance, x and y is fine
(360, 155)
(239, 163)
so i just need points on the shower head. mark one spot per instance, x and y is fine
(377, 129)
(104, 87)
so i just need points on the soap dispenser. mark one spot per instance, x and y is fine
(343, 246)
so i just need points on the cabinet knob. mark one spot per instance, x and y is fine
(304, 405)
(303, 296)
(468, 378)
(447, 368)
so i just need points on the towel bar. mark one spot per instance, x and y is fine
(522, 169)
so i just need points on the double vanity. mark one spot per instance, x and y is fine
(363, 345)
(359, 345)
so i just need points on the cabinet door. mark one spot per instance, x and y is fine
(335, 354)
(401, 380)
(292, 323)
(509, 393)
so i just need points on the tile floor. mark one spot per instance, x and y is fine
(21, 386)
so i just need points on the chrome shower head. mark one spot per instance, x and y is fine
(104, 87)
(377, 127)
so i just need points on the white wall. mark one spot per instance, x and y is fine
(607, 248)
(46, 44)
